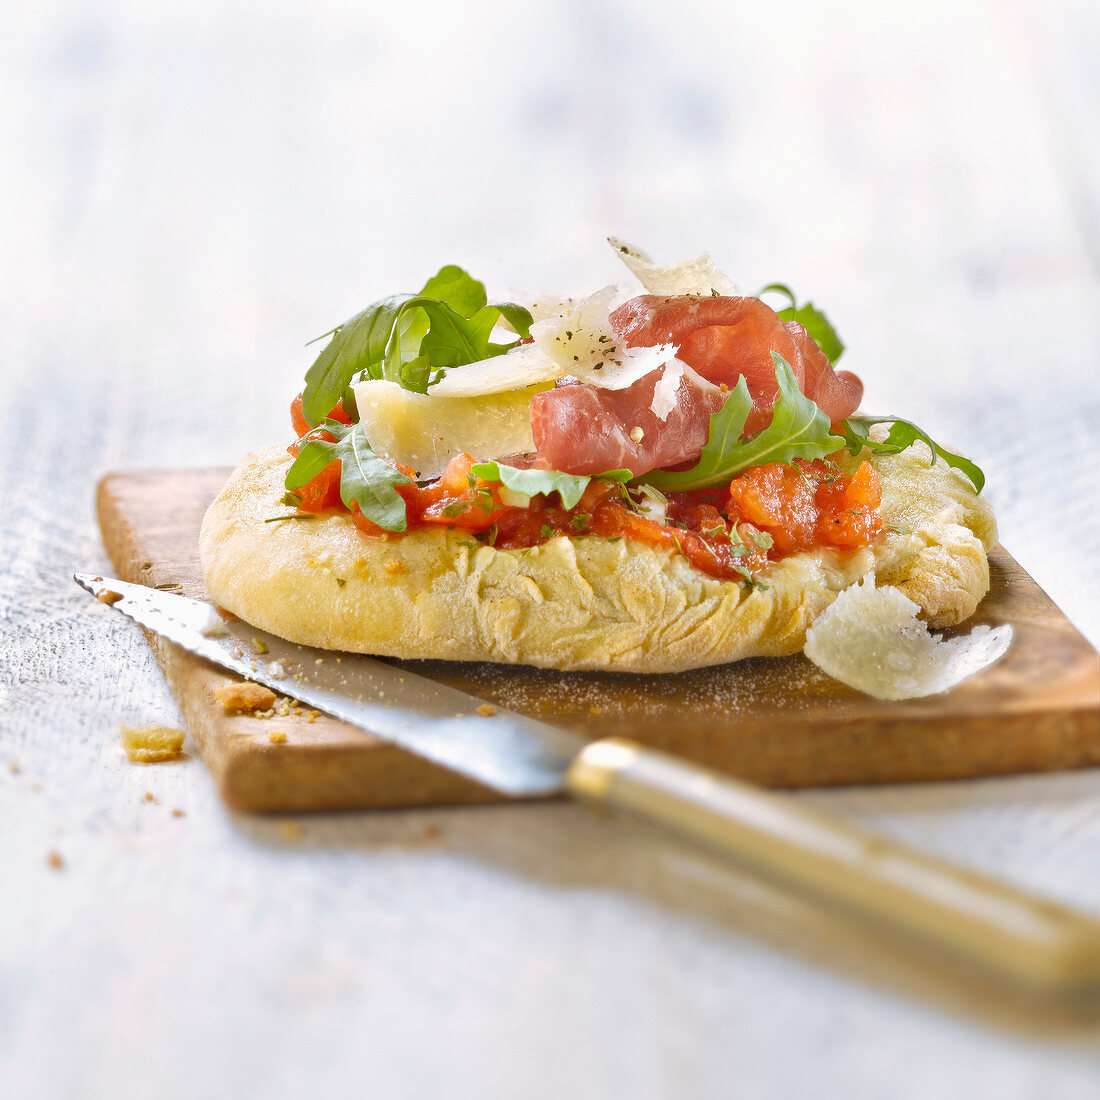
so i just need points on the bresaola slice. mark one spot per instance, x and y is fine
(581, 429)
(724, 338)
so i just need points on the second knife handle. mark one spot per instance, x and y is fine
(1005, 930)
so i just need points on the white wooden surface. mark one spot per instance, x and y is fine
(189, 192)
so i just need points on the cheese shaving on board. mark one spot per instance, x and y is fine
(695, 276)
(871, 639)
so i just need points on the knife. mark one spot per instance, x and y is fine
(1034, 943)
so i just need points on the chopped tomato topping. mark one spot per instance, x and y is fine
(768, 512)
(297, 418)
(809, 504)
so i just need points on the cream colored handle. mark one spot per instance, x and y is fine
(1005, 930)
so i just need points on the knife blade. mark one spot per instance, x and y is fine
(513, 753)
(1012, 935)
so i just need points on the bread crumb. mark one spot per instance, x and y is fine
(291, 830)
(486, 710)
(394, 568)
(431, 832)
(14, 767)
(56, 861)
(259, 646)
(277, 737)
(244, 698)
(108, 596)
(178, 813)
(150, 744)
(313, 716)
(150, 797)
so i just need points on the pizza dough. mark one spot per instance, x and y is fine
(583, 603)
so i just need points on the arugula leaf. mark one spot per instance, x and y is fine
(409, 338)
(457, 289)
(810, 318)
(364, 477)
(570, 487)
(903, 434)
(799, 429)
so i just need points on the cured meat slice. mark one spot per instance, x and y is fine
(580, 429)
(726, 338)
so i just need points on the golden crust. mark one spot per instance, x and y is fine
(584, 603)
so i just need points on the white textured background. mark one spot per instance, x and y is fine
(189, 192)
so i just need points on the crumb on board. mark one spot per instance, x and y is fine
(150, 797)
(56, 861)
(108, 596)
(290, 830)
(150, 744)
(178, 813)
(431, 832)
(244, 698)
(277, 737)
(486, 710)
(14, 767)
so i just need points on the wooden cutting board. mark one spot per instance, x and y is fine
(778, 722)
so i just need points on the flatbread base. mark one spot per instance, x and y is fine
(572, 603)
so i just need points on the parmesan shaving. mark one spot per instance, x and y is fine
(664, 393)
(694, 276)
(425, 431)
(526, 365)
(581, 341)
(871, 639)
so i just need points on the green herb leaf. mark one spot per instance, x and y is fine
(364, 477)
(799, 429)
(810, 318)
(903, 434)
(570, 487)
(408, 339)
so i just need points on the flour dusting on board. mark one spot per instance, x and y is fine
(774, 684)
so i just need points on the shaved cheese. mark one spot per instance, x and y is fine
(871, 639)
(694, 276)
(524, 366)
(426, 432)
(576, 342)
(548, 306)
(664, 393)
(581, 341)
(668, 386)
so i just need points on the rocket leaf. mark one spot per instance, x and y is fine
(570, 487)
(903, 434)
(799, 429)
(365, 479)
(409, 338)
(810, 318)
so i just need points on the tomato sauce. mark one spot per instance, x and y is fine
(765, 514)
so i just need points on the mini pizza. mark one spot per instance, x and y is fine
(644, 482)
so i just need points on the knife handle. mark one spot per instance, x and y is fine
(1010, 933)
